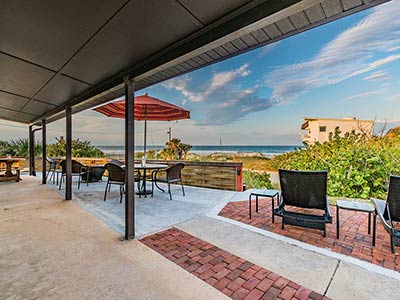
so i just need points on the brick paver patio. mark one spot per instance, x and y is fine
(235, 277)
(354, 239)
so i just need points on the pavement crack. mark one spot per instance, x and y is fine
(333, 275)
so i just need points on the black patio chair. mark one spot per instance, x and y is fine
(116, 176)
(117, 162)
(172, 175)
(304, 189)
(389, 211)
(93, 174)
(77, 170)
(52, 169)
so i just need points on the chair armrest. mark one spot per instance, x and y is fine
(155, 172)
(328, 210)
(380, 207)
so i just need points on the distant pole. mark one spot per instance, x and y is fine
(169, 133)
(145, 135)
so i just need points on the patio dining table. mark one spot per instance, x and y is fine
(145, 168)
(9, 175)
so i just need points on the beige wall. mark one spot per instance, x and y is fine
(313, 133)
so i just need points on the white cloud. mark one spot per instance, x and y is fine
(389, 121)
(218, 81)
(221, 79)
(181, 85)
(377, 76)
(353, 52)
(395, 97)
(268, 49)
(365, 94)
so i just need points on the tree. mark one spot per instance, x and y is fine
(175, 150)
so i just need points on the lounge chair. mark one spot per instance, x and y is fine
(389, 211)
(172, 175)
(304, 189)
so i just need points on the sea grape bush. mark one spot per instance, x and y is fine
(79, 149)
(257, 180)
(20, 148)
(359, 165)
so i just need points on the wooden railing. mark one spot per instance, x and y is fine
(217, 175)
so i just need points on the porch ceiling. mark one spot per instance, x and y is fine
(55, 54)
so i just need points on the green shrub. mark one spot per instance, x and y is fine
(359, 166)
(18, 147)
(257, 180)
(79, 149)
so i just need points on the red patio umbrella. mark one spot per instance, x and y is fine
(146, 108)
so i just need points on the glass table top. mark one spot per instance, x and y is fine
(355, 205)
(265, 192)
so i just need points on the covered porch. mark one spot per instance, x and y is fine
(52, 247)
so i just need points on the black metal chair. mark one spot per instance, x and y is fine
(117, 162)
(172, 175)
(304, 189)
(93, 174)
(77, 170)
(52, 169)
(389, 211)
(116, 176)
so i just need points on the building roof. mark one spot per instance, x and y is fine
(55, 54)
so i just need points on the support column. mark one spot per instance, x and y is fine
(44, 143)
(129, 159)
(31, 151)
(68, 153)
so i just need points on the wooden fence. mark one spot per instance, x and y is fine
(217, 175)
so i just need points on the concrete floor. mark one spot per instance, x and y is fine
(152, 213)
(54, 249)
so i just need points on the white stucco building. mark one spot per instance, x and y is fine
(318, 129)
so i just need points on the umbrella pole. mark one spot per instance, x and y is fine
(145, 137)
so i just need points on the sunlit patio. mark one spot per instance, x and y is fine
(152, 213)
(354, 239)
(205, 233)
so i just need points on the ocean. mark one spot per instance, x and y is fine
(267, 151)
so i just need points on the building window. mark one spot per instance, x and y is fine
(322, 128)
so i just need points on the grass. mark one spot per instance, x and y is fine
(254, 162)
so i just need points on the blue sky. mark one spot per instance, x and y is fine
(350, 67)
